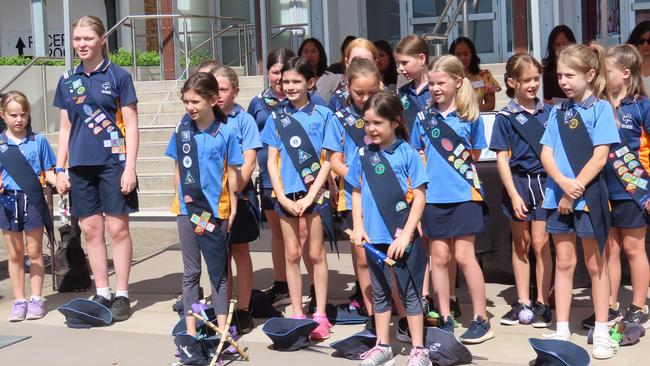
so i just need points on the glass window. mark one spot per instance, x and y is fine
(383, 20)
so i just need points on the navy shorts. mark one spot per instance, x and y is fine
(347, 220)
(96, 189)
(627, 214)
(314, 208)
(451, 220)
(268, 201)
(578, 222)
(17, 214)
(531, 189)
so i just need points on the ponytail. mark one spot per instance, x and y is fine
(600, 80)
(466, 99)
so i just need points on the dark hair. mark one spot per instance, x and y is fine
(299, 65)
(551, 56)
(518, 64)
(278, 56)
(211, 64)
(390, 77)
(637, 32)
(388, 105)
(205, 85)
(476, 61)
(322, 62)
(345, 44)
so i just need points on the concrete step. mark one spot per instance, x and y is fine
(158, 134)
(174, 105)
(245, 93)
(152, 165)
(155, 149)
(156, 181)
(156, 199)
(166, 85)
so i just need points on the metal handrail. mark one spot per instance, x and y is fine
(283, 28)
(440, 38)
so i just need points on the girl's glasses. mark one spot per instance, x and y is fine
(641, 41)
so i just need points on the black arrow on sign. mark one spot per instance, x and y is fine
(20, 45)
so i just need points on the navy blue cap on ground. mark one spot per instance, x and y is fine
(289, 334)
(444, 348)
(632, 333)
(261, 306)
(180, 327)
(191, 350)
(84, 313)
(353, 346)
(344, 314)
(554, 352)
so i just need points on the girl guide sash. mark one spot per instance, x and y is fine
(411, 109)
(579, 150)
(528, 128)
(97, 119)
(306, 161)
(270, 101)
(17, 166)
(394, 210)
(212, 241)
(452, 149)
(353, 125)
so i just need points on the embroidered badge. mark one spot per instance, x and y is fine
(521, 119)
(295, 141)
(400, 206)
(405, 102)
(305, 172)
(202, 223)
(189, 179)
(3, 147)
(285, 121)
(185, 136)
(435, 133)
(315, 167)
(380, 169)
(350, 120)
(308, 179)
(374, 159)
(186, 148)
(187, 162)
(573, 123)
(303, 156)
(360, 123)
(622, 151)
(446, 144)
(187, 199)
(81, 90)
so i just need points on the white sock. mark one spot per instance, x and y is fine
(525, 302)
(105, 292)
(562, 327)
(20, 300)
(124, 293)
(601, 328)
(39, 298)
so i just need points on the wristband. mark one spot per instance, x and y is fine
(59, 170)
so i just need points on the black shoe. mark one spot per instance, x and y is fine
(370, 324)
(121, 309)
(278, 294)
(613, 316)
(244, 321)
(512, 316)
(446, 324)
(102, 300)
(403, 333)
(311, 308)
(455, 308)
(428, 305)
(637, 315)
(543, 316)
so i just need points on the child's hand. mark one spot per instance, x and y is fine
(519, 207)
(565, 206)
(303, 204)
(288, 205)
(128, 181)
(572, 188)
(359, 237)
(398, 246)
(62, 183)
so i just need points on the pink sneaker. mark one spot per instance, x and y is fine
(18, 311)
(35, 309)
(323, 330)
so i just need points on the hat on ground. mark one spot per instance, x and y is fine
(289, 334)
(555, 352)
(445, 349)
(261, 306)
(353, 346)
(191, 350)
(344, 314)
(201, 328)
(627, 334)
(84, 313)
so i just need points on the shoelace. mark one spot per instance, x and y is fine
(376, 349)
(416, 352)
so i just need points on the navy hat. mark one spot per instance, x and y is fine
(445, 349)
(631, 334)
(191, 350)
(289, 334)
(353, 346)
(261, 306)
(555, 352)
(84, 313)
(343, 314)
(201, 328)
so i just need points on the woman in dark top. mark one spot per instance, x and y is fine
(386, 64)
(559, 37)
(640, 38)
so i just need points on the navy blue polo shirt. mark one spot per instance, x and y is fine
(93, 102)
(423, 99)
(504, 136)
(634, 118)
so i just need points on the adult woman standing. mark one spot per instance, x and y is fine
(98, 138)
(559, 37)
(640, 37)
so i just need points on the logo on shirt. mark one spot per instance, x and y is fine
(3, 148)
(106, 88)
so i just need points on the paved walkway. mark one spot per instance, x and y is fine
(145, 338)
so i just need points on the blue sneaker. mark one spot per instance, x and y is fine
(446, 324)
(479, 331)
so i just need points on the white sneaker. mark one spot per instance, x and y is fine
(560, 336)
(604, 347)
(378, 356)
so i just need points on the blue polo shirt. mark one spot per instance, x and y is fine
(37, 152)
(260, 112)
(337, 140)
(212, 146)
(409, 170)
(505, 137)
(90, 100)
(423, 99)
(245, 128)
(313, 119)
(634, 118)
(450, 187)
(599, 120)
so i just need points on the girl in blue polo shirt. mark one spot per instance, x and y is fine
(632, 111)
(412, 57)
(515, 138)
(298, 176)
(363, 81)
(454, 213)
(19, 217)
(215, 141)
(246, 225)
(581, 76)
(387, 134)
(98, 138)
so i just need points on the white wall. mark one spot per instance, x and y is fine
(15, 20)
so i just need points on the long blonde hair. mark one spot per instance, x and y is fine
(585, 58)
(96, 25)
(628, 57)
(466, 100)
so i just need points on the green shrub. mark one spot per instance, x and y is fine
(125, 58)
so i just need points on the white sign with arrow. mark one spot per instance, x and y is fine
(22, 43)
